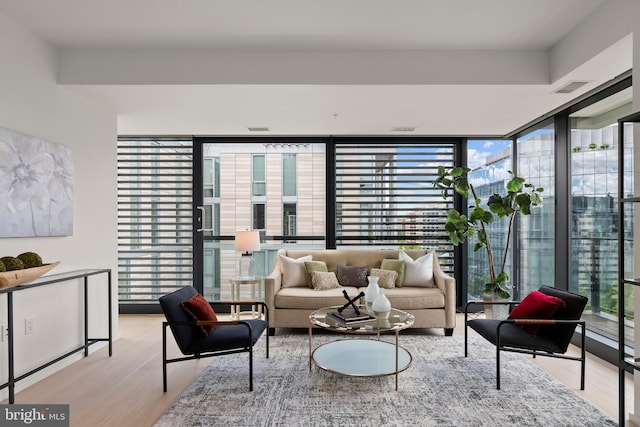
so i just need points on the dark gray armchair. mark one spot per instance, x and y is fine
(552, 339)
(228, 337)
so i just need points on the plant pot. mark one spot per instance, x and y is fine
(495, 311)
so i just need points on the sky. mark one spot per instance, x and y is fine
(478, 150)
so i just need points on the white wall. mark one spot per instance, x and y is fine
(32, 103)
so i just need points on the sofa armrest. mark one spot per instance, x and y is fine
(272, 284)
(447, 285)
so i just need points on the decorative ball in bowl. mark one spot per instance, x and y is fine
(22, 269)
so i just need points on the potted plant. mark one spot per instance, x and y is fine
(519, 197)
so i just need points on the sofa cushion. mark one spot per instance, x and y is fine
(293, 271)
(309, 299)
(396, 265)
(352, 275)
(310, 267)
(418, 272)
(413, 298)
(386, 278)
(322, 280)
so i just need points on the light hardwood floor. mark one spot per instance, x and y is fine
(126, 389)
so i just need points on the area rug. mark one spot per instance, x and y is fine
(440, 388)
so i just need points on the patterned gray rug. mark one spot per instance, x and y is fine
(440, 388)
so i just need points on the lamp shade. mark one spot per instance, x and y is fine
(247, 240)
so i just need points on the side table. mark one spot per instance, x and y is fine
(257, 294)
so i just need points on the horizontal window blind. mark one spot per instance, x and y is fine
(155, 243)
(385, 196)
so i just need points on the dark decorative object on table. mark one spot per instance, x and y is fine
(350, 313)
(350, 302)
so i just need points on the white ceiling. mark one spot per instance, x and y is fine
(352, 26)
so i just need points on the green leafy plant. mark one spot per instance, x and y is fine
(520, 197)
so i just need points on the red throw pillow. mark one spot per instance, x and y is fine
(199, 309)
(536, 305)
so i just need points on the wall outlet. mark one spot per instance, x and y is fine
(4, 333)
(28, 325)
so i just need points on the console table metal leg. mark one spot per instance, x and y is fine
(110, 304)
(397, 332)
(12, 380)
(310, 352)
(86, 317)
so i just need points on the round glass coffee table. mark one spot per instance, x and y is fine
(360, 357)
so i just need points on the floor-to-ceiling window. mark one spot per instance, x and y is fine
(535, 238)
(384, 193)
(155, 219)
(275, 186)
(594, 208)
(490, 161)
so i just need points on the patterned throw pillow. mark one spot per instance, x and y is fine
(418, 273)
(293, 271)
(352, 275)
(386, 278)
(396, 265)
(324, 280)
(310, 267)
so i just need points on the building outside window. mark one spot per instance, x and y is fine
(259, 175)
(289, 220)
(289, 175)
(258, 217)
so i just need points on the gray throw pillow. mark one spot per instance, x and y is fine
(352, 275)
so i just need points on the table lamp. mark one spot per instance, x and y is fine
(247, 241)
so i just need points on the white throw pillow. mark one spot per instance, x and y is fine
(293, 272)
(418, 273)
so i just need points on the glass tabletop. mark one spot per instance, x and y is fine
(361, 358)
(397, 320)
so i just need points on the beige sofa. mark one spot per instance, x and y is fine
(432, 303)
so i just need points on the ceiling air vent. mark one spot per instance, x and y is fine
(258, 129)
(403, 129)
(571, 86)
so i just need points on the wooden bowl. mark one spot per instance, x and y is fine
(26, 275)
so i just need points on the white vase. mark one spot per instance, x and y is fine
(371, 293)
(381, 306)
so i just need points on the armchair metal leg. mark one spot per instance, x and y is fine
(466, 333)
(498, 344)
(583, 355)
(498, 367)
(164, 358)
(250, 368)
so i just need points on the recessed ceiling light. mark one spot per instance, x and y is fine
(403, 129)
(258, 129)
(571, 86)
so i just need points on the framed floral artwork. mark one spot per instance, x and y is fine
(36, 187)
